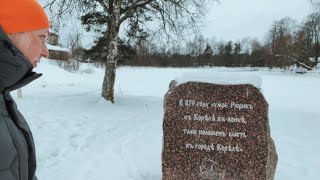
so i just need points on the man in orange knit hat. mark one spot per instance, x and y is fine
(23, 32)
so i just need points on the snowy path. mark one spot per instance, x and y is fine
(97, 134)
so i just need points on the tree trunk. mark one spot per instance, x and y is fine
(317, 52)
(112, 57)
(108, 82)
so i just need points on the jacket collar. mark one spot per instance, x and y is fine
(14, 67)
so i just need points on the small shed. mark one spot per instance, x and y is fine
(53, 38)
(57, 52)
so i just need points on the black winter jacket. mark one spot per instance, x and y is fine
(17, 151)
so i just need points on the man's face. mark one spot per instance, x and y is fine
(32, 44)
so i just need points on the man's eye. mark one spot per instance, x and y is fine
(43, 37)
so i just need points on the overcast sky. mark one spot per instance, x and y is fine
(236, 19)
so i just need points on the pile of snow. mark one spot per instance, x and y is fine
(222, 78)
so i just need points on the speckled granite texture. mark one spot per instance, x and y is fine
(216, 132)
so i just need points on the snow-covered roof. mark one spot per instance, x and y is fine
(223, 78)
(57, 48)
(52, 31)
(313, 59)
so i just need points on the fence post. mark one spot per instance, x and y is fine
(19, 93)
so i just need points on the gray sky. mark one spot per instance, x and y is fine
(236, 19)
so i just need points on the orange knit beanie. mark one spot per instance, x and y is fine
(22, 16)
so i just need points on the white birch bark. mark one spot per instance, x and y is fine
(110, 72)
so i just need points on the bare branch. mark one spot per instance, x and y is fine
(128, 11)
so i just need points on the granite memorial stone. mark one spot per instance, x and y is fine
(216, 132)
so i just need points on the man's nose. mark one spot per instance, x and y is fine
(44, 51)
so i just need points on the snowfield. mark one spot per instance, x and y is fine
(80, 136)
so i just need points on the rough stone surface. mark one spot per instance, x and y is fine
(216, 132)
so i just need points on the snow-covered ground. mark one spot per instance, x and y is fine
(79, 136)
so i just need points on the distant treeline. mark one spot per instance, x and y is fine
(178, 60)
(287, 43)
(227, 60)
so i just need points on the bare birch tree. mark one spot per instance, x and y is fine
(174, 17)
